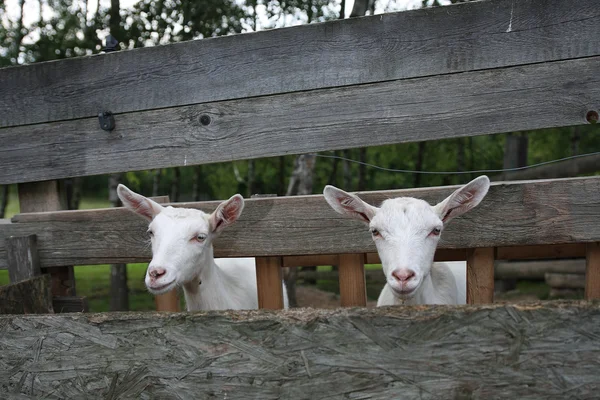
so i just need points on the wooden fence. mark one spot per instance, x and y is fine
(470, 69)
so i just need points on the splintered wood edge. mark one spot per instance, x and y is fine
(304, 315)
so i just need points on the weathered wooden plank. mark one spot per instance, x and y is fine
(22, 258)
(268, 282)
(512, 214)
(352, 280)
(435, 107)
(29, 296)
(480, 275)
(592, 271)
(488, 34)
(497, 351)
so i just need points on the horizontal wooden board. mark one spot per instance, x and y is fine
(512, 214)
(532, 351)
(438, 107)
(432, 41)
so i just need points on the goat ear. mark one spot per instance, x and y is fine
(463, 199)
(227, 213)
(349, 204)
(137, 203)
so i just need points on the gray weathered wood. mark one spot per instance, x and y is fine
(22, 258)
(487, 34)
(29, 296)
(512, 214)
(443, 106)
(533, 351)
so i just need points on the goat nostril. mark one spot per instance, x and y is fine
(403, 275)
(157, 273)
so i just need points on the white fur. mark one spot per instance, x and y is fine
(404, 231)
(182, 248)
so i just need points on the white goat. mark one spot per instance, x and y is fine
(406, 232)
(182, 254)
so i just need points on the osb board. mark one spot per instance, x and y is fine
(547, 350)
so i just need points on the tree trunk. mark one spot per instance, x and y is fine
(175, 185)
(3, 200)
(19, 34)
(575, 139)
(419, 163)
(347, 171)
(301, 183)
(196, 186)
(362, 169)
(119, 291)
(156, 182)
(281, 183)
(250, 183)
(334, 168)
(515, 155)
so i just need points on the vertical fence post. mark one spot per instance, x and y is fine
(269, 282)
(592, 271)
(22, 257)
(480, 275)
(353, 288)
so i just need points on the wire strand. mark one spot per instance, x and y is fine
(408, 171)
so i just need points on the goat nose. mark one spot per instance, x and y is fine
(403, 275)
(156, 273)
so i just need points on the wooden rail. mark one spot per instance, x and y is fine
(428, 108)
(420, 43)
(512, 214)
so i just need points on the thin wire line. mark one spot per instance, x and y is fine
(455, 172)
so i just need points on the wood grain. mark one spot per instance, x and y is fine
(592, 271)
(431, 41)
(29, 296)
(352, 280)
(480, 275)
(436, 107)
(512, 214)
(268, 282)
(530, 351)
(22, 258)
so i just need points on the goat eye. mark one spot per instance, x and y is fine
(150, 233)
(436, 232)
(200, 238)
(375, 233)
